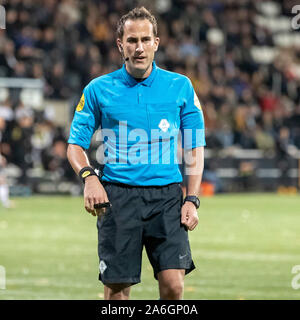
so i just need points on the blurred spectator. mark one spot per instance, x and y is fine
(294, 125)
(6, 111)
(55, 160)
(283, 148)
(224, 126)
(58, 81)
(8, 59)
(264, 140)
(247, 176)
(21, 140)
(4, 188)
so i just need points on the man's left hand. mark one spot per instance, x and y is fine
(189, 215)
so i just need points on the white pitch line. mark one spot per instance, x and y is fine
(246, 256)
(38, 282)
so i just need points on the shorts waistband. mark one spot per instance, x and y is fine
(123, 185)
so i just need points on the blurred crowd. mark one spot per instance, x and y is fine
(248, 102)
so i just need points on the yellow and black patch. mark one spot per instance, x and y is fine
(80, 104)
(197, 102)
(85, 174)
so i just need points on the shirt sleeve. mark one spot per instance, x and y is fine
(86, 119)
(192, 119)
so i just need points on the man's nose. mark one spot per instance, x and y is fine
(139, 47)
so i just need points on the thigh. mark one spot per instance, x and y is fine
(166, 239)
(120, 238)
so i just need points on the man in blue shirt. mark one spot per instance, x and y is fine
(141, 111)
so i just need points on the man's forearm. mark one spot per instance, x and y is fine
(194, 165)
(77, 157)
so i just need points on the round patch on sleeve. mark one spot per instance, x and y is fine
(80, 104)
(197, 102)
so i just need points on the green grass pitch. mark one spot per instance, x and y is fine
(244, 247)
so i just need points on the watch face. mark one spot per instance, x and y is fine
(195, 200)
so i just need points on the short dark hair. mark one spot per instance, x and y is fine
(135, 14)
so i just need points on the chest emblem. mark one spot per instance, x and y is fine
(164, 125)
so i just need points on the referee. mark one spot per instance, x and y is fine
(142, 110)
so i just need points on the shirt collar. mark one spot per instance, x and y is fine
(147, 82)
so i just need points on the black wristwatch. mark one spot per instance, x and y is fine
(194, 199)
(86, 172)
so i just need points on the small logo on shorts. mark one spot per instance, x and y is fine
(164, 125)
(181, 257)
(102, 266)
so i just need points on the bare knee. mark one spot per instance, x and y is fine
(116, 291)
(171, 284)
(172, 291)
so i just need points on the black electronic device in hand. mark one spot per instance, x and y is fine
(102, 205)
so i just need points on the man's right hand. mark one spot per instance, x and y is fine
(94, 193)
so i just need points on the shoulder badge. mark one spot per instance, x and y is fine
(80, 104)
(197, 102)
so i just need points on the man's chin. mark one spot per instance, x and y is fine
(141, 65)
(139, 69)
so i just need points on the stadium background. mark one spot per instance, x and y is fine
(243, 60)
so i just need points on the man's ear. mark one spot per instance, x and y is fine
(120, 45)
(156, 42)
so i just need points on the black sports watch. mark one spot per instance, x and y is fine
(194, 199)
(86, 172)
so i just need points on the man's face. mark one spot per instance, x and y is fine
(139, 45)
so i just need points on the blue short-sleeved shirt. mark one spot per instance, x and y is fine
(140, 124)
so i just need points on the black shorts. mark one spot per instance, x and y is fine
(139, 216)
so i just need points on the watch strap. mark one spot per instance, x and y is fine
(194, 199)
(86, 172)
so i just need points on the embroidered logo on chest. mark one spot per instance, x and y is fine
(164, 125)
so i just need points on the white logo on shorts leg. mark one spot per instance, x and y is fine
(164, 125)
(102, 266)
